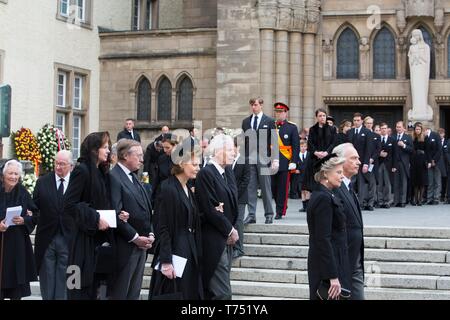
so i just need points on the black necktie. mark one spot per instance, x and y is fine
(255, 122)
(398, 137)
(60, 191)
(384, 140)
(225, 178)
(303, 157)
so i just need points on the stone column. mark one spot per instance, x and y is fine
(402, 58)
(281, 67)
(308, 80)
(173, 107)
(295, 77)
(267, 66)
(154, 107)
(364, 59)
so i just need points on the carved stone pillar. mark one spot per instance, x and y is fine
(402, 56)
(308, 79)
(312, 16)
(295, 77)
(267, 65)
(441, 60)
(328, 50)
(281, 66)
(298, 15)
(364, 58)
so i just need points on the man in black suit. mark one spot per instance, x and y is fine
(441, 164)
(128, 131)
(370, 189)
(135, 236)
(54, 228)
(359, 136)
(354, 218)
(385, 168)
(258, 130)
(217, 195)
(401, 152)
(433, 151)
(241, 171)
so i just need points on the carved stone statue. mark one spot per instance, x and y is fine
(419, 66)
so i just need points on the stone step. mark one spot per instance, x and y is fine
(301, 291)
(406, 281)
(276, 251)
(369, 242)
(382, 231)
(371, 280)
(370, 254)
(417, 268)
(269, 275)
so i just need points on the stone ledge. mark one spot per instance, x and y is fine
(156, 55)
(155, 33)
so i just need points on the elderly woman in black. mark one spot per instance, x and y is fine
(179, 233)
(17, 267)
(328, 260)
(88, 191)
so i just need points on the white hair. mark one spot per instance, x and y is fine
(11, 163)
(219, 142)
(341, 150)
(67, 154)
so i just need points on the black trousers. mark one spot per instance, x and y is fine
(280, 189)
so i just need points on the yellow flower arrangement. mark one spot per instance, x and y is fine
(26, 147)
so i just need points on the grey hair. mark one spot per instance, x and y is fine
(13, 162)
(327, 167)
(218, 143)
(67, 154)
(341, 149)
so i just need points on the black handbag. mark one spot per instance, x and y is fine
(324, 286)
(166, 289)
(104, 260)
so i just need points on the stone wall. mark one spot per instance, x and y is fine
(126, 57)
(238, 63)
(199, 13)
(170, 14)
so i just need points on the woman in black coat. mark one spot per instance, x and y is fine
(342, 136)
(328, 250)
(179, 234)
(18, 267)
(419, 172)
(88, 191)
(321, 141)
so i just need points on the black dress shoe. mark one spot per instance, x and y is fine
(278, 216)
(302, 210)
(402, 205)
(249, 220)
(269, 220)
(369, 208)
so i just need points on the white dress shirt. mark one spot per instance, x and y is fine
(260, 115)
(127, 172)
(347, 182)
(66, 181)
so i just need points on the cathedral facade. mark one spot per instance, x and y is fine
(201, 60)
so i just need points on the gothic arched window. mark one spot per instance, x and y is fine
(185, 98)
(347, 55)
(144, 100)
(164, 100)
(384, 55)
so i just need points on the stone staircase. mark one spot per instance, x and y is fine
(401, 263)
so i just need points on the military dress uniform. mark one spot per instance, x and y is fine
(289, 149)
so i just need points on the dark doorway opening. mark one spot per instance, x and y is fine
(389, 114)
(445, 119)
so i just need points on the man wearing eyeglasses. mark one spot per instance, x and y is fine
(54, 228)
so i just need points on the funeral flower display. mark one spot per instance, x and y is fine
(26, 147)
(50, 141)
(29, 182)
